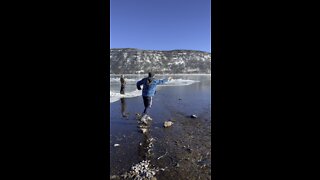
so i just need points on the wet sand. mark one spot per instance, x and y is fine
(182, 151)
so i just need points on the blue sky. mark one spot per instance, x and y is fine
(161, 24)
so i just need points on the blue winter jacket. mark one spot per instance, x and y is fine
(149, 90)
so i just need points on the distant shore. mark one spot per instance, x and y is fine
(160, 74)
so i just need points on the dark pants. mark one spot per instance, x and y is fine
(147, 101)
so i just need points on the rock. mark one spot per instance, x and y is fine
(143, 130)
(138, 116)
(144, 121)
(149, 118)
(194, 116)
(142, 126)
(116, 145)
(167, 124)
(144, 116)
(113, 177)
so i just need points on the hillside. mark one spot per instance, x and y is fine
(135, 61)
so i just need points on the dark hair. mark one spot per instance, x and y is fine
(151, 74)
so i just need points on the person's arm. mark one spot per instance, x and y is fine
(139, 83)
(163, 81)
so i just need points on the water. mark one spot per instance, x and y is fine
(131, 80)
(187, 144)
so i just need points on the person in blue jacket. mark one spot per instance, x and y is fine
(149, 88)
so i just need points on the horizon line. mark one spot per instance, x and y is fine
(164, 50)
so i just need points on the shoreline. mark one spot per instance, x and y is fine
(164, 74)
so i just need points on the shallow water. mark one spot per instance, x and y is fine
(131, 80)
(184, 149)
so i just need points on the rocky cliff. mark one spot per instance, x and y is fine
(136, 61)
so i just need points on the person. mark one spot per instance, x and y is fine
(123, 83)
(149, 88)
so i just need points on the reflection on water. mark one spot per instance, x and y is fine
(123, 108)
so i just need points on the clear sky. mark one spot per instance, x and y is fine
(161, 24)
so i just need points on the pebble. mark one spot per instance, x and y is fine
(143, 130)
(149, 118)
(194, 116)
(167, 124)
(144, 121)
(113, 177)
(116, 145)
(142, 126)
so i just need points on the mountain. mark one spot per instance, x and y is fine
(136, 61)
